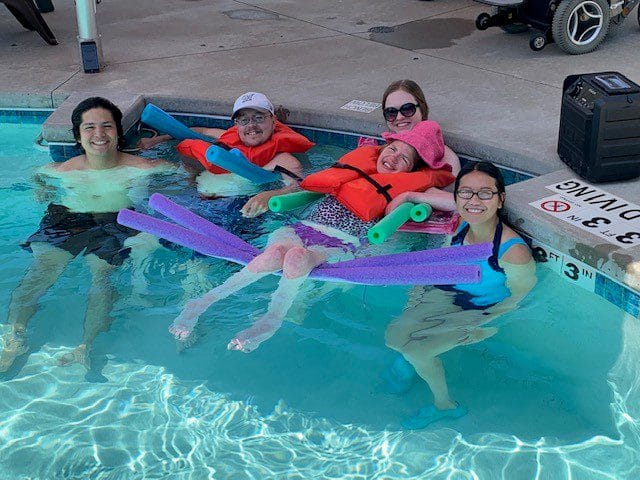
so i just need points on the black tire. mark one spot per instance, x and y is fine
(482, 21)
(579, 26)
(511, 28)
(537, 43)
(638, 10)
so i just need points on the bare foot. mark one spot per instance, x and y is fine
(183, 325)
(248, 340)
(80, 355)
(14, 345)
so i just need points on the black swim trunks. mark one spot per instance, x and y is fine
(97, 233)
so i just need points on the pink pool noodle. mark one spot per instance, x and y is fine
(367, 275)
(188, 219)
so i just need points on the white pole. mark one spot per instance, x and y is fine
(86, 14)
(87, 26)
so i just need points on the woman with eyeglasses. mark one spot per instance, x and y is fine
(439, 319)
(403, 106)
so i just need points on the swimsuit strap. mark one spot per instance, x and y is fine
(508, 244)
(458, 239)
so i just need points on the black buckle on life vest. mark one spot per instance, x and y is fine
(382, 190)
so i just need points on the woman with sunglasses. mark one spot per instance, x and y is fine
(403, 106)
(439, 319)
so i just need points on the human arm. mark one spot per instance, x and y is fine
(450, 157)
(438, 199)
(149, 142)
(520, 270)
(259, 203)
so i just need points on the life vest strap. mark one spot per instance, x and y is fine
(382, 190)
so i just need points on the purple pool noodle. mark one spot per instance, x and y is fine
(188, 219)
(407, 275)
(182, 236)
(462, 254)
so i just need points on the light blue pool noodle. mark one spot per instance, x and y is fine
(368, 275)
(289, 201)
(234, 161)
(160, 120)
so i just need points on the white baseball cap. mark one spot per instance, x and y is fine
(255, 100)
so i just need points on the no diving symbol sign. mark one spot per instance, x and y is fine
(555, 206)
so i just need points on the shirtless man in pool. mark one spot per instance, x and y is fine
(91, 189)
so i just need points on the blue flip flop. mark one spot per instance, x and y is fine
(400, 376)
(430, 414)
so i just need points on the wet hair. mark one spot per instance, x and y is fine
(487, 168)
(412, 88)
(90, 104)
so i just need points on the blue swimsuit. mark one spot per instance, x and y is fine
(492, 287)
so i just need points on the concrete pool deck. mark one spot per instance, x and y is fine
(494, 97)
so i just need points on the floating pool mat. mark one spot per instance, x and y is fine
(443, 266)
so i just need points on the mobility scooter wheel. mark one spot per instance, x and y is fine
(483, 21)
(537, 43)
(579, 26)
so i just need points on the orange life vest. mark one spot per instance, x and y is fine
(283, 140)
(356, 183)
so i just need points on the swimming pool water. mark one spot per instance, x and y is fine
(554, 394)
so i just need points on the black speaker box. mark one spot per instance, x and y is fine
(599, 135)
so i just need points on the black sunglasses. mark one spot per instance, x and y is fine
(407, 110)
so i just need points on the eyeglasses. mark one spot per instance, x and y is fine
(484, 194)
(246, 120)
(407, 110)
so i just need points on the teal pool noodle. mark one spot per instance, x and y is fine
(420, 212)
(234, 161)
(389, 224)
(163, 122)
(289, 201)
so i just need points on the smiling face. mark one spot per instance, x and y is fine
(396, 100)
(258, 129)
(397, 157)
(98, 133)
(474, 210)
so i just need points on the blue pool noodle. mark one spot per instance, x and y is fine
(160, 120)
(369, 275)
(234, 161)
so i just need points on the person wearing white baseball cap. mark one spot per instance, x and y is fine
(260, 136)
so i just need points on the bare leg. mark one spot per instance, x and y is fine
(271, 260)
(298, 262)
(102, 296)
(49, 263)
